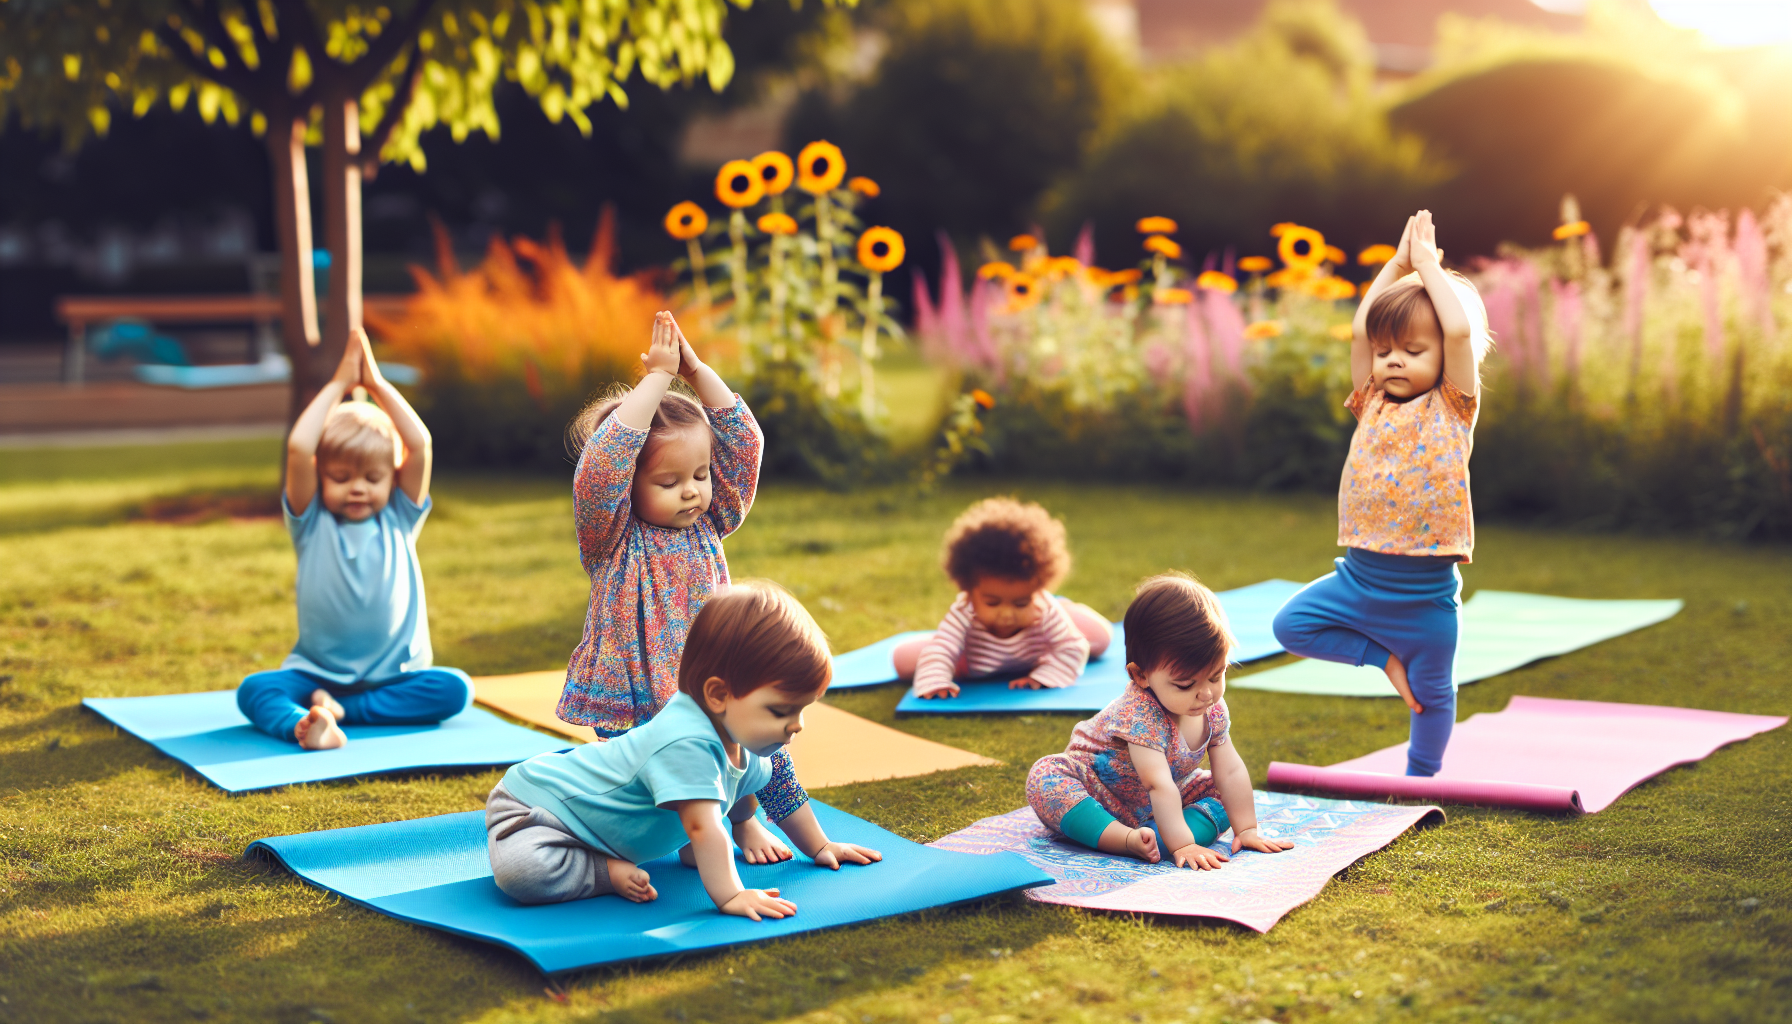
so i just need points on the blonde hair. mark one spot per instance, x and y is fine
(361, 433)
(753, 634)
(676, 413)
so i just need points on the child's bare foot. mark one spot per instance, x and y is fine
(320, 698)
(1397, 676)
(631, 882)
(318, 731)
(1142, 844)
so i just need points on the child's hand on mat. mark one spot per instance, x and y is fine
(755, 903)
(948, 690)
(1026, 683)
(758, 845)
(1194, 855)
(832, 854)
(1253, 839)
(662, 350)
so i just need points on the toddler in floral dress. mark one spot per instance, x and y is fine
(1130, 781)
(661, 480)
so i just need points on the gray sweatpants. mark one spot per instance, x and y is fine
(536, 858)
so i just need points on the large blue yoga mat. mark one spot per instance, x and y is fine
(435, 872)
(1250, 611)
(205, 732)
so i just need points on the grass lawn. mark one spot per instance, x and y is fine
(123, 898)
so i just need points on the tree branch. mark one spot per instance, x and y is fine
(204, 16)
(247, 88)
(295, 17)
(388, 45)
(394, 113)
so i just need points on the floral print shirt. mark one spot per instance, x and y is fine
(1405, 485)
(1098, 758)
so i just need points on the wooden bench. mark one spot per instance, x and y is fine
(263, 311)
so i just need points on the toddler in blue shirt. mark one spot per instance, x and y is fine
(572, 825)
(357, 492)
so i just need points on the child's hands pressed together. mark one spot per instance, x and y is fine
(1422, 235)
(353, 365)
(1253, 839)
(833, 853)
(662, 353)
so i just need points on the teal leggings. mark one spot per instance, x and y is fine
(1086, 821)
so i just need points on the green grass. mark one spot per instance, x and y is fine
(122, 897)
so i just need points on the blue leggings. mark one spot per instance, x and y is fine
(275, 701)
(1374, 604)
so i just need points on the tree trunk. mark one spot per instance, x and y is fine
(342, 222)
(292, 225)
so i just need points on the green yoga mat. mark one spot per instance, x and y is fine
(1501, 631)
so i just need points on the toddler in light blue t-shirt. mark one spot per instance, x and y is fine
(357, 492)
(567, 826)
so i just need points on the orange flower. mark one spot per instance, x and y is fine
(1333, 254)
(1288, 277)
(1128, 276)
(820, 168)
(1172, 296)
(881, 250)
(1376, 255)
(686, 221)
(776, 170)
(1342, 332)
(1216, 281)
(983, 398)
(1333, 289)
(1293, 237)
(865, 187)
(1021, 243)
(1255, 264)
(778, 224)
(1001, 269)
(1572, 229)
(739, 185)
(1277, 230)
(1023, 290)
(1164, 246)
(1263, 329)
(1156, 226)
(1063, 266)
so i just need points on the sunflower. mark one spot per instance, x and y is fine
(1213, 280)
(1130, 275)
(983, 398)
(1156, 226)
(1023, 290)
(881, 249)
(1163, 246)
(1021, 243)
(820, 168)
(1277, 230)
(686, 221)
(1332, 289)
(1289, 248)
(1063, 266)
(739, 185)
(1263, 329)
(1376, 255)
(1172, 296)
(865, 186)
(1255, 264)
(1288, 277)
(1572, 229)
(1333, 254)
(776, 170)
(778, 224)
(998, 269)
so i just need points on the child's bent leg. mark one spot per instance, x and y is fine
(1430, 674)
(276, 701)
(1064, 805)
(423, 697)
(907, 655)
(1092, 624)
(536, 860)
(1317, 623)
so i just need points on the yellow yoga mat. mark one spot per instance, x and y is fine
(835, 747)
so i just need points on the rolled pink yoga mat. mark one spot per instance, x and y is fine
(1540, 754)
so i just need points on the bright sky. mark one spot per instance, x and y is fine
(1731, 22)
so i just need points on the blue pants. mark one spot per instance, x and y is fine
(275, 701)
(1376, 604)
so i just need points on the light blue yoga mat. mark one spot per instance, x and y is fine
(205, 732)
(435, 872)
(1250, 610)
(1501, 631)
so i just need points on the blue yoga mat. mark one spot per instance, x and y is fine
(434, 872)
(205, 732)
(1250, 611)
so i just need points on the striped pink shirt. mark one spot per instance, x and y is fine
(1052, 651)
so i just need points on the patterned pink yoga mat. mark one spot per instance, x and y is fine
(1254, 889)
(1575, 756)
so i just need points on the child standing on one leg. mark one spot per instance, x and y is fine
(661, 480)
(1131, 782)
(1005, 558)
(1404, 516)
(573, 825)
(357, 492)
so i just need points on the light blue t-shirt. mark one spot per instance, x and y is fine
(612, 794)
(362, 619)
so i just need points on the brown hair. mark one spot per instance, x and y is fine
(677, 412)
(1002, 537)
(1176, 622)
(361, 433)
(1393, 311)
(754, 634)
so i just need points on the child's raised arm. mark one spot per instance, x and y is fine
(738, 445)
(661, 360)
(1460, 363)
(308, 430)
(714, 852)
(419, 457)
(1362, 357)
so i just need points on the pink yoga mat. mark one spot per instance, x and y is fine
(1575, 756)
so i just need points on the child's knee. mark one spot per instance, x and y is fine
(907, 656)
(1290, 624)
